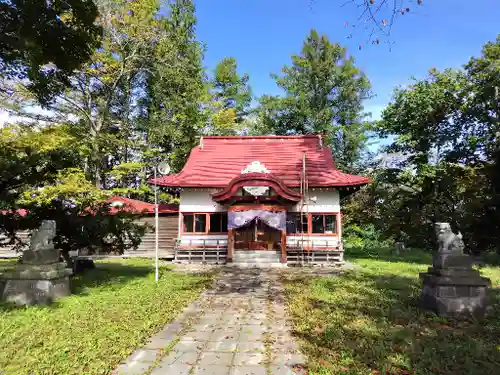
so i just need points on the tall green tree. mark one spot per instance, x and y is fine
(323, 93)
(231, 92)
(44, 41)
(425, 118)
(105, 99)
(178, 85)
(29, 158)
(39, 181)
(447, 128)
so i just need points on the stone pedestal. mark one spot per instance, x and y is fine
(41, 279)
(451, 287)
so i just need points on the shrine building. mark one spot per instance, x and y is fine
(261, 200)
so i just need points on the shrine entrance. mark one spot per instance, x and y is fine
(257, 227)
(257, 235)
(256, 202)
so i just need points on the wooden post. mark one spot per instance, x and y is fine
(339, 226)
(283, 246)
(230, 245)
(339, 232)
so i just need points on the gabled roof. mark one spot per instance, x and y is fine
(142, 207)
(218, 160)
(127, 204)
(20, 212)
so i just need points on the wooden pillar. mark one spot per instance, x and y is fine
(230, 245)
(283, 246)
(339, 226)
(339, 238)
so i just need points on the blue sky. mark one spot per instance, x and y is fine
(262, 34)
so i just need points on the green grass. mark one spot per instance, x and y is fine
(369, 322)
(114, 309)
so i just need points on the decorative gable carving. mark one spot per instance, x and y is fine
(255, 167)
(256, 191)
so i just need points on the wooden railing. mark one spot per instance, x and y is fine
(314, 245)
(317, 257)
(314, 252)
(201, 251)
(204, 243)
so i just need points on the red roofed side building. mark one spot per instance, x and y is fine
(140, 207)
(168, 223)
(262, 197)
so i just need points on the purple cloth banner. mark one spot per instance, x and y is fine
(239, 219)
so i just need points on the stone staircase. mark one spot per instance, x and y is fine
(256, 259)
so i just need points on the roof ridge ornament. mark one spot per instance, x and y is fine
(255, 167)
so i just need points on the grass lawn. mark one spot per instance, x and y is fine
(368, 322)
(114, 308)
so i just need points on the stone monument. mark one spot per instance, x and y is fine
(451, 287)
(41, 278)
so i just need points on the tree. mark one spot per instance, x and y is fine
(105, 99)
(323, 93)
(447, 127)
(178, 86)
(232, 94)
(377, 17)
(38, 176)
(84, 219)
(424, 117)
(29, 157)
(44, 41)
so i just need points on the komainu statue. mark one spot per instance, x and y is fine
(452, 287)
(447, 240)
(41, 239)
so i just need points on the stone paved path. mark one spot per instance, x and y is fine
(238, 327)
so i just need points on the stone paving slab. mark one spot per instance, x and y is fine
(238, 327)
(249, 370)
(178, 369)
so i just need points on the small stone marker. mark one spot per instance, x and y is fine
(41, 278)
(451, 287)
(399, 247)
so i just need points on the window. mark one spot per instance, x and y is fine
(294, 225)
(291, 223)
(218, 222)
(330, 224)
(324, 223)
(194, 223)
(198, 223)
(188, 223)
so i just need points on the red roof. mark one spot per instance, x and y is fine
(131, 204)
(20, 212)
(144, 207)
(217, 160)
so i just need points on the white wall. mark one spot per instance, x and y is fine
(199, 201)
(326, 201)
(316, 240)
(197, 240)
